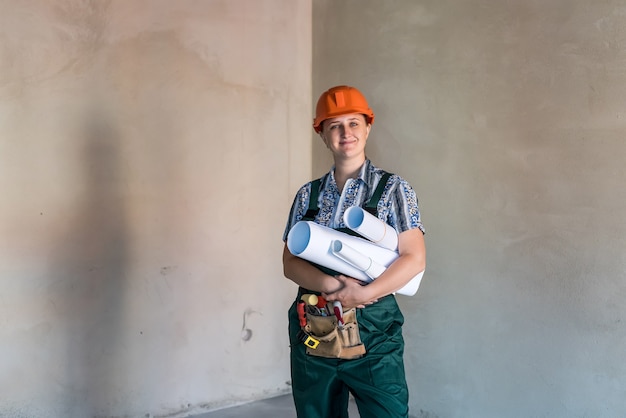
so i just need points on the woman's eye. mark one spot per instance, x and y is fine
(334, 126)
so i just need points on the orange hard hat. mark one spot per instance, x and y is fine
(340, 100)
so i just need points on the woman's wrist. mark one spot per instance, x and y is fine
(370, 293)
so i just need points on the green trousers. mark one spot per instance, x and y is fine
(321, 386)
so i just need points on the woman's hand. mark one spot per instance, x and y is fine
(352, 293)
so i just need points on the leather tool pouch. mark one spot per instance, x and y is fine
(335, 341)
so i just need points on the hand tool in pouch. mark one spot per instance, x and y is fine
(327, 336)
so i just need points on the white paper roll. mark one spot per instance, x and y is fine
(356, 259)
(313, 242)
(370, 227)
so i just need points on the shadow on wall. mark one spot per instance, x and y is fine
(88, 268)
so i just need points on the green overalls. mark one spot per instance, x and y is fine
(321, 386)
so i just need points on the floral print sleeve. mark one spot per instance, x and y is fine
(398, 206)
(298, 208)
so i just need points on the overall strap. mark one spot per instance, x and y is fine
(313, 209)
(372, 205)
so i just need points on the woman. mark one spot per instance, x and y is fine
(321, 386)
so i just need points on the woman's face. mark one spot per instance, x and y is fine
(346, 135)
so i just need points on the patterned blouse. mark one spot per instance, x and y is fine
(397, 205)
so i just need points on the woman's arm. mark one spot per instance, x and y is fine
(307, 275)
(411, 261)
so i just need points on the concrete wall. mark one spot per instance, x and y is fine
(149, 152)
(509, 120)
(134, 136)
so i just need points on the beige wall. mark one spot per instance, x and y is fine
(508, 117)
(137, 244)
(149, 152)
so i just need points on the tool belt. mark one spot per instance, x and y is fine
(325, 336)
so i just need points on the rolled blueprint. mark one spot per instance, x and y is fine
(371, 268)
(313, 242)
(356, 259)
(370, 227)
